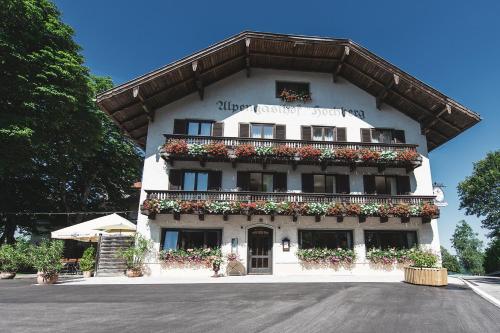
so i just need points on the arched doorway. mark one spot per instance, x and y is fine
(260, 250)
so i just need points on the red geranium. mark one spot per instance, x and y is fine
(429, 210)
(176, 147)
(369, 155)
(285, 151)
(407, 155)
(309, 152)
(401, 210)
(337, 209)
(217, 149)
(245, 150)
(346, 154)
(353, 209)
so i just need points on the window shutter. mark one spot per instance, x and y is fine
(214, 180)
(244, 130)
(342, 184)
(306, 133)
(403, 183)
(279, 181)
(366, 135)
(218, 129)
(243, 180)
(175, 179)
(180, 126)
(307, 183)
(398, 136)
(369, 183)
(280, 132)
(341, 133)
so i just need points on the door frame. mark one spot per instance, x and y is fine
(271, 240)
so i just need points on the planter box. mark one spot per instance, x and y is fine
(435, 277)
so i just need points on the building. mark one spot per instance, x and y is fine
(265, 144)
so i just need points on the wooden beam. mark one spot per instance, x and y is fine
(197, 78)
(426, 127)
(383, 94)
(247, 56)
(293, 57)
(338, 68)
(137, 94)
(415, 104)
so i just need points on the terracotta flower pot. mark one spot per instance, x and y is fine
(7, 275)
(42, 278)
(87, 274)
(132, 273)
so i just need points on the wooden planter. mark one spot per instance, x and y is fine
(435, 277)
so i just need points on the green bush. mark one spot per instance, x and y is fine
(14, 257)
(87, 262)
(492, 256)
(46, 257)
(136, 254)
(449, 261)
(422, 258)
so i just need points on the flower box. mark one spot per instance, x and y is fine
(436, 277)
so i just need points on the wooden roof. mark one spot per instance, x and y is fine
(132, 104)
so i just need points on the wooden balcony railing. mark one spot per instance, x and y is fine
(232, 142)
(289, 197)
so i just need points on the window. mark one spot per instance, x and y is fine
(195, 127)
(173, 239)
(262, 131)
(323, 133)
(261, 182)
(298, 87)
(390, 239)
(387, 185)
(195, 181)
(382, 135)
(330, 239)
(323, 183)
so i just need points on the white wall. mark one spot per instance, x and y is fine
(253, 100)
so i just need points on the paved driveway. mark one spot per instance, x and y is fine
(318, 307)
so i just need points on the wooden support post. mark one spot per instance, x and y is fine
(197, 79)
(149, 113)
(339, 65)
(383, 94)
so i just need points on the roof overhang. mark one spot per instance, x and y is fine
(132, 104)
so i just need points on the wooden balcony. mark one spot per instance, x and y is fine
(242, 196)
(232, 142)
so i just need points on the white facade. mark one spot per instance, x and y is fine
(238, 99)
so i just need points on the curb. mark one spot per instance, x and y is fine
(481, 293)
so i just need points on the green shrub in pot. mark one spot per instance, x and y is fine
(87, 262)
(423, 259)
(9, 261)
(46, 259)
(135, 255)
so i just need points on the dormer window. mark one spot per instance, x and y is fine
(382, 135)
(293, 91)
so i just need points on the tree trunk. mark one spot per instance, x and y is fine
(9, 231)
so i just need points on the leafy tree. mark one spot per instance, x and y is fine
(480, 193)
(492, 256)
(449, 261)
(58, 152)
(468, 247)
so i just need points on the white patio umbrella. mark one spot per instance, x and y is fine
(89, 231)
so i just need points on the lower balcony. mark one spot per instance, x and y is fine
(228, 203)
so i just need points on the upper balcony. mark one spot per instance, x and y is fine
(294, 152)
(289, 203)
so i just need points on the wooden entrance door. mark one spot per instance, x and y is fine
(260, 251)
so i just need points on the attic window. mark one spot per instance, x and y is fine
(293, 91)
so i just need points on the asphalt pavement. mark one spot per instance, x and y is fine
(284, 307)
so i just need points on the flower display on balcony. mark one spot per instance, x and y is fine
(177, 147)
(408, 257)
(156, 206)
(196, 256)
(288, 95)
(326, 256)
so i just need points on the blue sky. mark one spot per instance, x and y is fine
(454, 46)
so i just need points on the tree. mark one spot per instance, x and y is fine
(449, 261)
(480, 193)
(58, 151)
(468, 247)
(492, 256)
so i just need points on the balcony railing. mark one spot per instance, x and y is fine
(396, 157)
(243, 196)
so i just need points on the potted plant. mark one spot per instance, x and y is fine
(87, 262)
(424, 270)
(46, 259)
(9, 261)
(135, 255)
